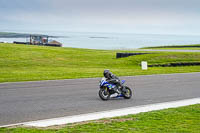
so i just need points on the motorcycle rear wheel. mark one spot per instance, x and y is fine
(104, 94)
(127, 93)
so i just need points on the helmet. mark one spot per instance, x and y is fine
(106, 73)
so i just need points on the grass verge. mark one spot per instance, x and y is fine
(177, 47)
(30, 63)
(177, 120)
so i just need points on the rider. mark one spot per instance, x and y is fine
(112, 79)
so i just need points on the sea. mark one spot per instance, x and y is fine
(94, 40)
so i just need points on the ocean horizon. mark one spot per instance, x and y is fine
(94, 40)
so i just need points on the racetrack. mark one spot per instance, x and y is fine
(28, 101)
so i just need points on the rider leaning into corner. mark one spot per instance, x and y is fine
(112, 79)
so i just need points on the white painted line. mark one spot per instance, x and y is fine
(111, 113)
(11, 125)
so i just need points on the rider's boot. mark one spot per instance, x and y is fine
(116, 89)
(123, 89)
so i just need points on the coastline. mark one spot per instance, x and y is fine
(112, 41)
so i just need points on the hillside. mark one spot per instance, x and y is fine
(28, 63)
(18, 35)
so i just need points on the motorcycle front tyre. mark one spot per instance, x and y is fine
(104, 94)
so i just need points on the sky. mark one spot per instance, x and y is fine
(118, 16)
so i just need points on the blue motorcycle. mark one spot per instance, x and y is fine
(107, 90)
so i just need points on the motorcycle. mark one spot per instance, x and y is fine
(107, 90)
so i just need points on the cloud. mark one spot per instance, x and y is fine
(102, 14)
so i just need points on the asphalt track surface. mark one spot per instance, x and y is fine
(29, 101)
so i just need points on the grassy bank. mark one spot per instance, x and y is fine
(176, 47)
(179, 120)
(30, 63)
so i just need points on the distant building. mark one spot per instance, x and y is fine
(54, 43)
(40, 40)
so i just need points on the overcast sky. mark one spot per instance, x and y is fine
(132, 16)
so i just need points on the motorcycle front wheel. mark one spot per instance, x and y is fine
(104, 94)
(127, 92)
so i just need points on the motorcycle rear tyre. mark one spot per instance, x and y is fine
(129, 91)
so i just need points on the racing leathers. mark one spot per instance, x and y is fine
(112, 79)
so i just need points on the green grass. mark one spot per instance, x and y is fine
(175, 120)
(176, 47)
(30, 63)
